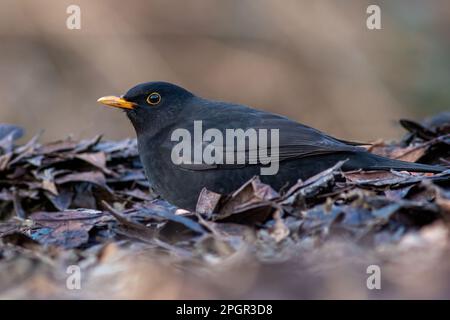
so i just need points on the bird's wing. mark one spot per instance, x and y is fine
(295, 140)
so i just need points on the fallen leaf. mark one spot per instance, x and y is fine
(94, 177)
(208, 202)
(97, 159)
(67, 229)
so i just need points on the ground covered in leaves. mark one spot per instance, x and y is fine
(70, 206)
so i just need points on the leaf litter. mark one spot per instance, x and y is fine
(78, 202)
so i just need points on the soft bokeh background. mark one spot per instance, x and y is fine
(314, 61)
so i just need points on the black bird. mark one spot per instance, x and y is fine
(156, 109)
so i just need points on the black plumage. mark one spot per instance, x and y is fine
(303, 151)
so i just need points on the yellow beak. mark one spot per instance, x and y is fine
(117, 102)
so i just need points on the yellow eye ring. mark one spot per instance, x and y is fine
(154, 98)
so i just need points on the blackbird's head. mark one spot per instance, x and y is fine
(151, 105)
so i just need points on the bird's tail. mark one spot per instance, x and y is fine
(374, 162)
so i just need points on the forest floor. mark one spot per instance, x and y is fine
(79, 220)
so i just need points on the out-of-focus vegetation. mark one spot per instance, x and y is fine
(314, 61)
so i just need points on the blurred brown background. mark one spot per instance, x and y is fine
(314, 61)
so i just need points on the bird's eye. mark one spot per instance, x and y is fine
(154, 98)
